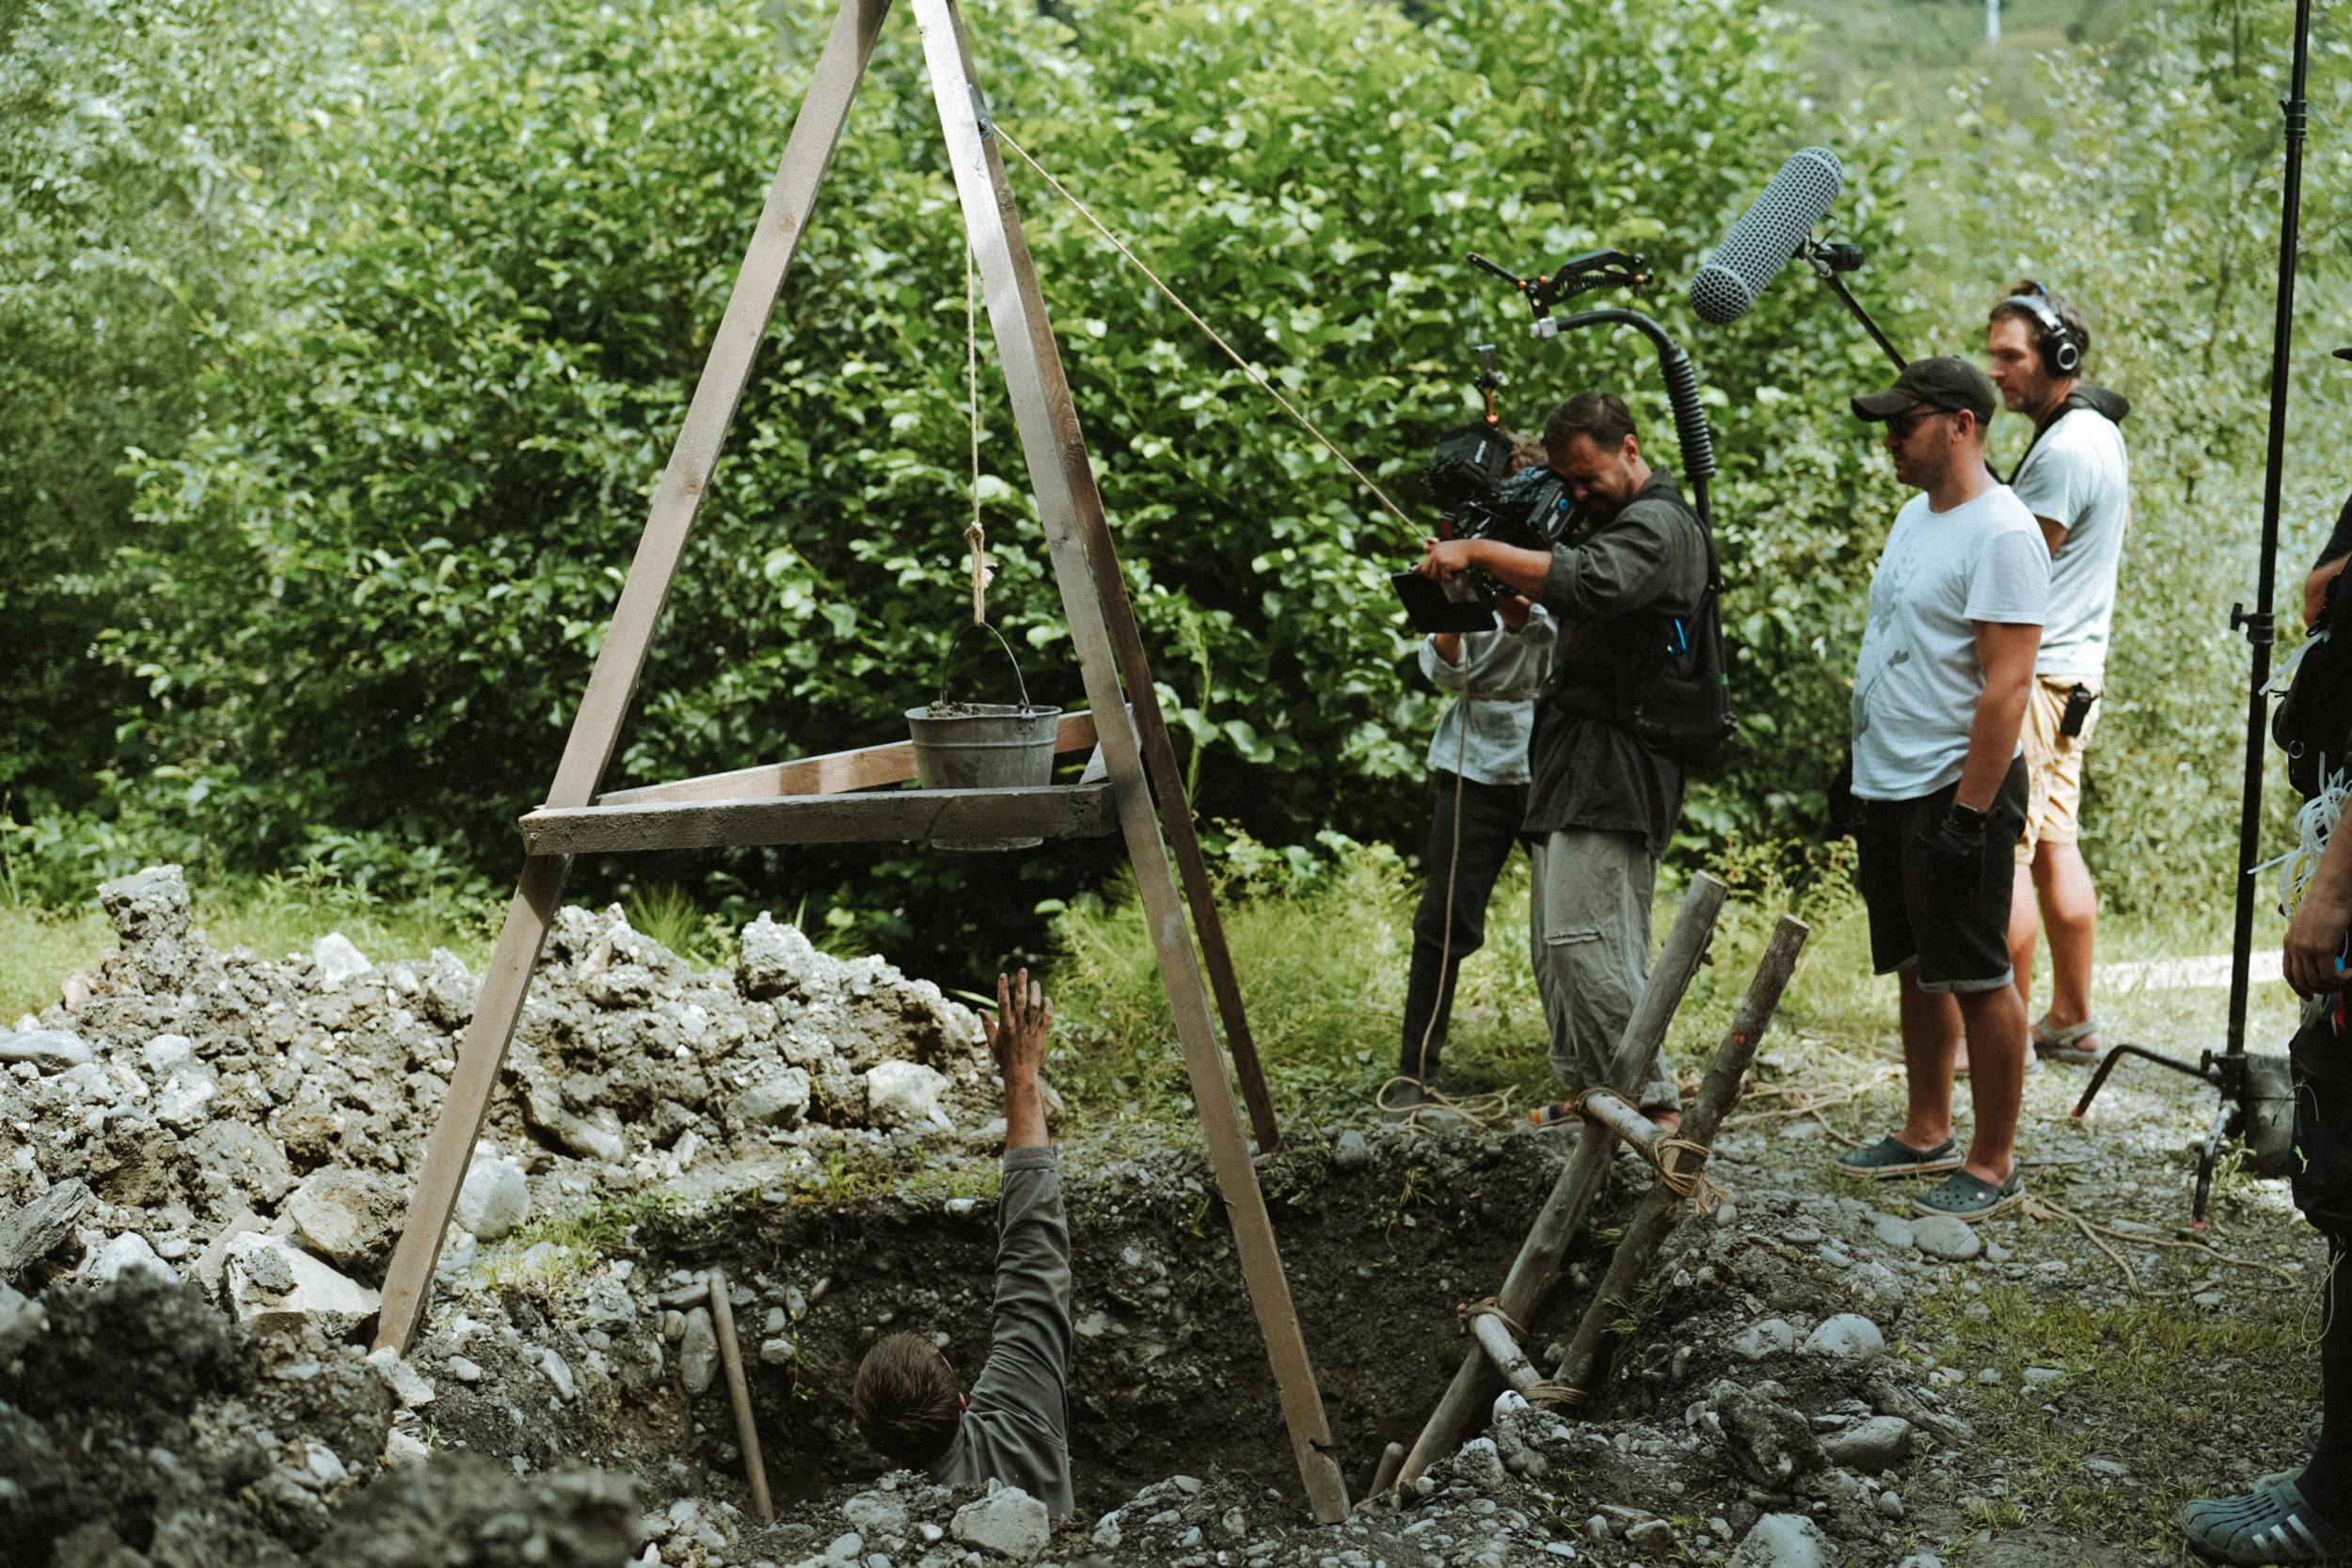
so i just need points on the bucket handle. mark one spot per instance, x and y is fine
(947, 657)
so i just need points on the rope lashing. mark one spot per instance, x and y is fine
(1246, 368)
(1488, 1307)
(1682, 1162)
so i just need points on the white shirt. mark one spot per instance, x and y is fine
(1917, 681)
(1504, 670)
(2078, 476)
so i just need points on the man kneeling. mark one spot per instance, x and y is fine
(1015, 1426)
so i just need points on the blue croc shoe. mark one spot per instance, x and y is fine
(1971, 1197)
(1891, 1157)
(2271, 1524)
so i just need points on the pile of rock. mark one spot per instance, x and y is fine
(256, 1124)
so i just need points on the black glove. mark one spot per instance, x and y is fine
(1955, 866)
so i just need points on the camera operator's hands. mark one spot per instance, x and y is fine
(1016, 1037)
(1955, 855)
(1447, 558)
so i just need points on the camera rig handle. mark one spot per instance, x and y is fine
(1579, 273)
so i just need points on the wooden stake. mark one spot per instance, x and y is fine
(1392, 1460)
(1572, 1194)
(1660, 1208)
(739, 1394)
(1064, 484)
(597, 726)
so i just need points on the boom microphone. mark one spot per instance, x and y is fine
(1766, 235)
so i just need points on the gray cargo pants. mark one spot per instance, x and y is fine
(1589, 920)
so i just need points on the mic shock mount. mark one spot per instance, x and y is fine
(1579, 273)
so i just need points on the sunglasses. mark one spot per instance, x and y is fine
(1900, 428)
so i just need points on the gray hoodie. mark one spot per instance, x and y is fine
(1016, 1423)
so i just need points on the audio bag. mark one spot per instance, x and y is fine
(2313, 723)
(1683, 711)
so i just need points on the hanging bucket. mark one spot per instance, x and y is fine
(983, 746)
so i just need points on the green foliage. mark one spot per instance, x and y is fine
(343, 347)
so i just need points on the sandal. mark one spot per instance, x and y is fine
(1891, 1157)
(1972, 1198)
(2062, 1045)
(2271, 1524)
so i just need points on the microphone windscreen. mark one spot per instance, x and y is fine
(1766, 235)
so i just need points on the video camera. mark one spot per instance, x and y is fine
(1466, 477)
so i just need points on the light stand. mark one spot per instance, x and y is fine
(2256, 1097)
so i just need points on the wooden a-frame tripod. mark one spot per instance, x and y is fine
(808, 801)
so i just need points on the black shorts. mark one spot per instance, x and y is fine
(1958, 945)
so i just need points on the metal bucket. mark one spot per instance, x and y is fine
(984, 746)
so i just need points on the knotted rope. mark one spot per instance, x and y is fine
(1546, 1392)
(1674, 1155)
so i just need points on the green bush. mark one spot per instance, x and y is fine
(401, 308)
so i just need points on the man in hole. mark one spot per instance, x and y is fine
(1015, 1427)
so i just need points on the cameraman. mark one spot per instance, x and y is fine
(1600, 804)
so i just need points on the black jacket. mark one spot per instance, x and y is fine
(1616, 589)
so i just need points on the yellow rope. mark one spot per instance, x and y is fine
(1419, 533)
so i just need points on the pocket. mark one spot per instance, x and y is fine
(1570, 936)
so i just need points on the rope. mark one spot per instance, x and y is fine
(1488, 1307)
(1419, 534)
(973, 536)
(1695, 1184)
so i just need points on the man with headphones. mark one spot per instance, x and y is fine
(2075, 479)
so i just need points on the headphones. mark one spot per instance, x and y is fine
(2060, 354)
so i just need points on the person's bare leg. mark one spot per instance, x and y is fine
(2071, 904)
(1931, 1034)
(1995, 1023)
(2025, 925)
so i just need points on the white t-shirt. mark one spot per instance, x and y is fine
(1917, 681)
(2077, 475)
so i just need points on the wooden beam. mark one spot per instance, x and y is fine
(1563, 1214)
(1055, 447)
(597, 726)
(1617, 1113)
(1048, 811)
(1661, 1207)
(833, 773)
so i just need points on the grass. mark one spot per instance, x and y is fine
(2145, 1382)
(273, 915)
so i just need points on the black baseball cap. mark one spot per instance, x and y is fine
(1945, 382)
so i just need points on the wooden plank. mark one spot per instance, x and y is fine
(505, 984)
(1563, 1214)
(1661, 1207)
(597, 726)
(1135, 668)
(833, 773)
(1048, 811)
(1059, 472)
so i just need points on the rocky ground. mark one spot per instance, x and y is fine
(203, 1158)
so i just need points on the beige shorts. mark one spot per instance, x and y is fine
(2054, 765)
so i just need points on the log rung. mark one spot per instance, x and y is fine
(1051, 811)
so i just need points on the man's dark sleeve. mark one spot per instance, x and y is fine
(1028, 1354)
(1628, 565)
(2339, 542)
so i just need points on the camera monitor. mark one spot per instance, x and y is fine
(1431, 609)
